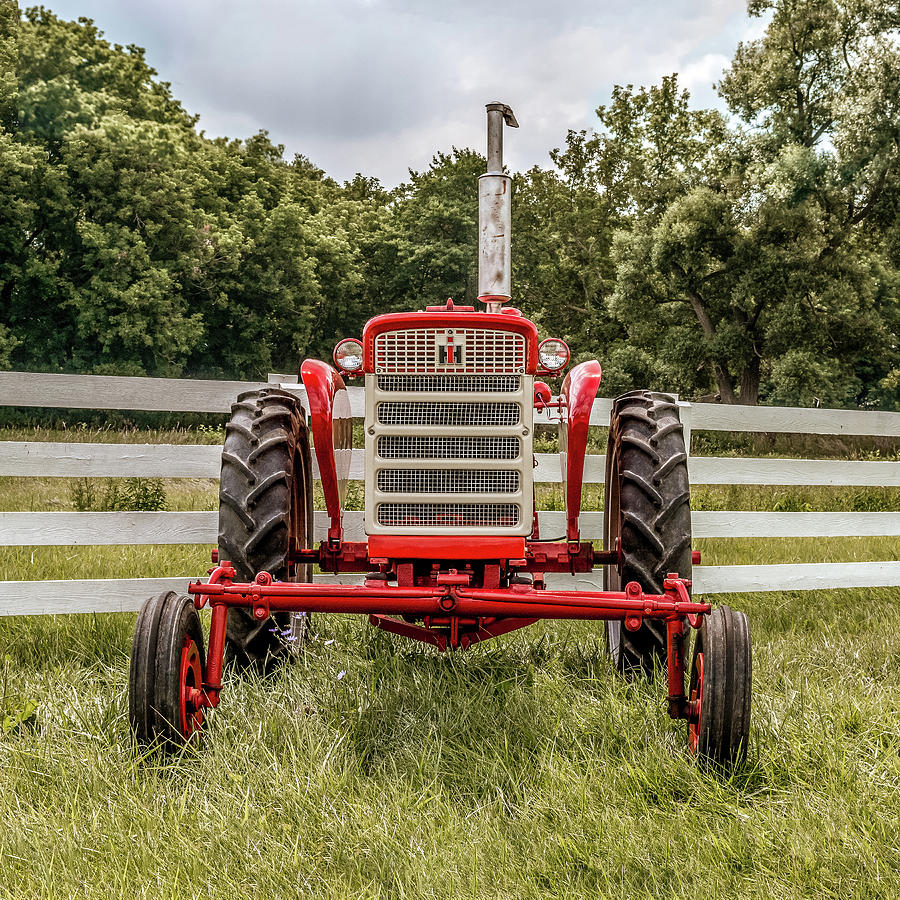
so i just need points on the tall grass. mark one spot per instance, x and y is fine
(524, 768)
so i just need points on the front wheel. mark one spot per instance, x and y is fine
(168, 665)
(720, 688)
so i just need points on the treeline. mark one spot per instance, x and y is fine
(756, 259)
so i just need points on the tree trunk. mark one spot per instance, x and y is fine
(723, 379)
(749, 395)
(723, 382)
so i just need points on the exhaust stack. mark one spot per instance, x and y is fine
(495, 214)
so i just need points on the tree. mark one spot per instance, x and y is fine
(89, 274)
(132, 244)
(562, 268)
(767, 303)
(771, 275)
(433, 232)
(268, 263)
(756, 261)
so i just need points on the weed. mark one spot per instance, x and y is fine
(14, 714)
(146, 494)
(790, 501)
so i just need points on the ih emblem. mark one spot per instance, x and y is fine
(451, 347)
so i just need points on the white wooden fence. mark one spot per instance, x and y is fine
(46, 459)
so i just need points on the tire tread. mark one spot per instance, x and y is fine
(724, 728)
(647, 453)
(267, 432)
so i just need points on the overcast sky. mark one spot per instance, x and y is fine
(377, 86)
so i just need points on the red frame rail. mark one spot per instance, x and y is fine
(454, 615)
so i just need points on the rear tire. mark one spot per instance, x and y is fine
(720, 688)
(167, 661)
(647, 508)
(265, 512)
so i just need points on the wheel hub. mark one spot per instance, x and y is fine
(695, 707)
(191, 688)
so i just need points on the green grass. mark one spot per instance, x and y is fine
(765, 551)
(525, 768)
(728, 443)
(58, 494)
(751, 497)
(160, 561)
(38, 563)
(87, 433)
(35, 494)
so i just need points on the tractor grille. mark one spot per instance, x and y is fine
(460, 415)
(426, 471)
(470, 384)
(448, 481)
(476, 351)
(397, 446)
(448, 515)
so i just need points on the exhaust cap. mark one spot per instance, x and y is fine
(497, 114)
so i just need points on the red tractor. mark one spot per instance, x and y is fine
(452, 555)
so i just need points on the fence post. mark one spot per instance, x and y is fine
(685, 410)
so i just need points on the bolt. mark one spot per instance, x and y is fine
(195, 698)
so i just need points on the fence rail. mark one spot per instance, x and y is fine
(76, 460)
(184, 395)
(32, 598)
(47, 529)
(72, 459)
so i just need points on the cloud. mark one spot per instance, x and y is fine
(699, 74)
(380, 85)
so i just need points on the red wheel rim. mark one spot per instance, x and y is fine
(191, 684)
(696, 706)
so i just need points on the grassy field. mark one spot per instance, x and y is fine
(524, 768)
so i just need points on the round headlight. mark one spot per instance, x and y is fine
(553, 353)
(348, 355)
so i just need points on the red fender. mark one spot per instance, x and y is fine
(332, 429)
(578, 392)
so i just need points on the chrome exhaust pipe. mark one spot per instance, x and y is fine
(495, 214)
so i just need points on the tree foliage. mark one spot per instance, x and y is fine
(754, 258)
(132, 244)
(773, 274)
